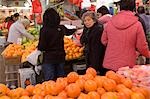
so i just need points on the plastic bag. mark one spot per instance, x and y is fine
(34, 57)
(38, 69)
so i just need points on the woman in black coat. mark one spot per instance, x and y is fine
(51, 42)
(94, 49)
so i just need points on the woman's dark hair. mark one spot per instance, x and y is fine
(7, 19)
(140, 10)
(103, 10)
(91, 14)
(11, 17)
(127, 5)
(51, 18)
(16, 15)
(82, 12)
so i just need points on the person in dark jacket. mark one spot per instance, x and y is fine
(142, 22)
(146, 21)
(52, 43)
(146, 18)
(94, 50)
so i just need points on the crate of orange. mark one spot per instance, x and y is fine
(72, 50)
(12, 54)
(12, 61)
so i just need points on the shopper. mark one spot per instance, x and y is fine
(123, 36)
(146, 18)
(103, 14)
(16, 16)
(12, 19)
(94, 49)
(17, 30)
(52, 44)
(10, 22)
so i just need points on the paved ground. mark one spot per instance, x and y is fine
(2, 68)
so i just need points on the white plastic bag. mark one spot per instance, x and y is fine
(38, 69)
(33, 57)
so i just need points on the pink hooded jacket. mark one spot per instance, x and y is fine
(123, 36)
(105, 18)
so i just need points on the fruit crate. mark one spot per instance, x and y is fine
(11, 70)
(12, 61)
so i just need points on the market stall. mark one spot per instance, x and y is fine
(24, 82)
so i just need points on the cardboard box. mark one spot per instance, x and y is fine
(26, 77)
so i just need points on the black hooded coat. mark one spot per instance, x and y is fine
(94, 49)
(51, 39)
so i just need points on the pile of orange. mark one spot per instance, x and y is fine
(74, 86)
(13, 50)
(72, 50)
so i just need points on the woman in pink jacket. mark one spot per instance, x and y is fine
(123, 36)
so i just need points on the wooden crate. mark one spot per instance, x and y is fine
(12, 61)
(11, 70)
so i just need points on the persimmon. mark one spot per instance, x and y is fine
(72, 77)
(73, 90)
(48, 97)
(109, 85)
(128, 83)
(81, 83)
(37, 91)
(136, 95)
(109, 95)
(122, 95)
(98, 81)
(62, 83)
(63, 94)
(94, 95)
(5, 97)
(52, 88)
(15, 93)
(142, 90)
(37, 97)
(30, 89)
(127, 92)
(114, 76)
(88, 77)
(25, 93)
(100, 91)
(24, 97)
(90, 85)
(92, 71)
(119, 87)
(84, 96)
(3, 89)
